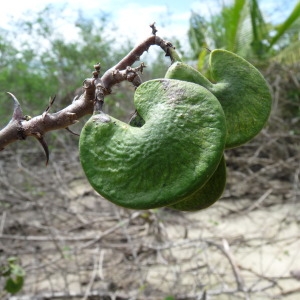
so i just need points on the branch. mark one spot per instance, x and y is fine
(134, 55)
(96, 88)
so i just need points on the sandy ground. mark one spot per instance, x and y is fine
(75, 245)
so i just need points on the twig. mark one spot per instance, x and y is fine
(2, 223)
(110, 230)
(47, 238)
(288, 292)
(100, 265)
(235, 269)
(67, 295)
(257, 203)
(93, 277)
(97, 295)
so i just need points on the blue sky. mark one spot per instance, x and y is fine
(171, 16)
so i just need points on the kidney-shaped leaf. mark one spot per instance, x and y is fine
(241, 89)
(172, 155)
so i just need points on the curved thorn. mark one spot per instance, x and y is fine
(51, 101)
(72, 132)
(41, 140)
(17, 114)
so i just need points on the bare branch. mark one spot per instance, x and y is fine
(46, 122)
(133, 56)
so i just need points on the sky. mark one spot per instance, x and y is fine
(132, 18)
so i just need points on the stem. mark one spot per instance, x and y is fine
(174, 55)
(135, 54)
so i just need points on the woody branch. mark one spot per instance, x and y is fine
(96, 88)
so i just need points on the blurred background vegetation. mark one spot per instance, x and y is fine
(51, 65)
(273, 48)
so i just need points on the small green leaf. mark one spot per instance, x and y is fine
(169, 298)
(12, 260)
(14, 284)
(17, 270)
(282, 29)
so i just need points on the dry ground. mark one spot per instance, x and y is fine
(75, 245)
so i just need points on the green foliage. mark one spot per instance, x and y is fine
(14, 275)
(241, 28)
(242, 91)
(284, 27)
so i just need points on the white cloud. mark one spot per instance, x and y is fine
(207, 8)
(134, 19)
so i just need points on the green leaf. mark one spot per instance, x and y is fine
(197, 33)
(169, 298)
(14, 284)
(282, 29)
(259, 29)
(241, 89)
(172, 155)
(12, 260)
(17, 271)
(234, 17)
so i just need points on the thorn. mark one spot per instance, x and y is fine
(207, 49)
(72, 132)
(141, 67)
(17, 114)
(75, 98)
(97, 66)
(51, 101)
(154, 30)
(41, 140)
